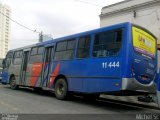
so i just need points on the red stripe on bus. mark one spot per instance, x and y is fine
(36, 71)
(55, 73)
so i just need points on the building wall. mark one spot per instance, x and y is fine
(4, 29)
(145, 13)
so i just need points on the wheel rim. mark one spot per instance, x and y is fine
(13, 82)
(60, 89)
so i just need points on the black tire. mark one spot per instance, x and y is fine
(13, 84)
(61, 89)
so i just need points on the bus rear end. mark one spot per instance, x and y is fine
(144, 62)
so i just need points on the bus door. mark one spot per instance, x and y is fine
(24, 67)
(47, 65)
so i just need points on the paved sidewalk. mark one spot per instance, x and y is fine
(132, 99)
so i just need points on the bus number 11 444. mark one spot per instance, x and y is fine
(110, 65)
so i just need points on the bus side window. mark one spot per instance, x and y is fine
(107, 43)
(83, 47)
(36, 55)
(40, 50)
(17, 59)
(7, 61)
(65, 50)
(34, 51)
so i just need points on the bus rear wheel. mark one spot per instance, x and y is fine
(13, 84)
(61, 89)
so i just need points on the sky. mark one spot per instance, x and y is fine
(56, 17)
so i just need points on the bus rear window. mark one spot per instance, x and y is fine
(107, 43)
(143, 42)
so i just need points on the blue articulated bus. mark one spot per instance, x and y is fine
(119, 59)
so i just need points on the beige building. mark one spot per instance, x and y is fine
(5, 13)
(145, 13)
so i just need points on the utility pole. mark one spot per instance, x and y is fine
(41, 36)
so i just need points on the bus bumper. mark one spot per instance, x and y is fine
(132, 84)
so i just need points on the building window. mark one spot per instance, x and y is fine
(83, 47)
(107, 43)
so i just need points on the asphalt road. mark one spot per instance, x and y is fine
(26, 101)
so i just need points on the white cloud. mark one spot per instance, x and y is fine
(56, 17)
